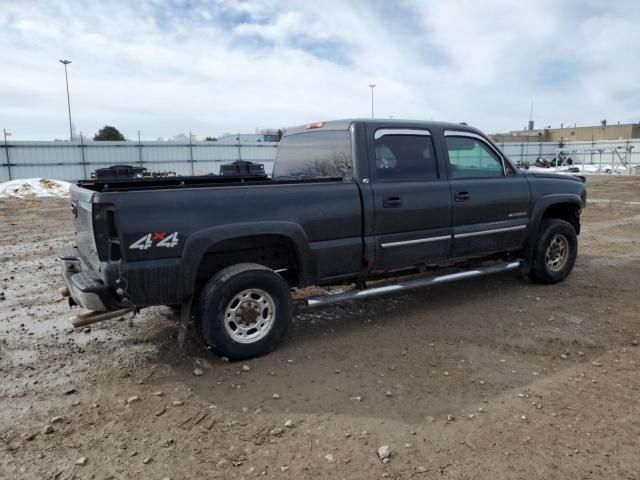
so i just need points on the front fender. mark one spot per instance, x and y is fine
(541, 205)
(198, 243)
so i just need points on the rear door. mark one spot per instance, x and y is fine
(412, 214)
(491, 199)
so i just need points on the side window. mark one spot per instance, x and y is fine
(404, 155)
(471, 158)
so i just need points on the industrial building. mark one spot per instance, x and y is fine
(619, 131)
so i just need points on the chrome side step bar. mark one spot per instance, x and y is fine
(410, 284)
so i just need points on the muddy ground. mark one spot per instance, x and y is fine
(493, 378)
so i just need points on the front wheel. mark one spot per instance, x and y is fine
(245, 310)
(554, 252)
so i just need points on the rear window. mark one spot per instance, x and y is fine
(315, 154)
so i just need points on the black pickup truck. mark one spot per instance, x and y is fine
(349, 202)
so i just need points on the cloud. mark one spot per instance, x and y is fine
(216, 66)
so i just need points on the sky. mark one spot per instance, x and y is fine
(209, 67)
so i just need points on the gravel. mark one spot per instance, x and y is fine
(384, 452)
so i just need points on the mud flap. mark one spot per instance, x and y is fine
(185, 316)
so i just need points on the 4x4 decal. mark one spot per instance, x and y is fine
(161, 239)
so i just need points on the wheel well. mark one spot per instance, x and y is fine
(274, 251)
(565, 211)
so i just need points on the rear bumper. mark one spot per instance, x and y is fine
(86, 288)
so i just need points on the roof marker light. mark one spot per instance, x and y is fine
(315, 125)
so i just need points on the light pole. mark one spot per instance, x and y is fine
(6, 151)
(372, 86)
(66, 77)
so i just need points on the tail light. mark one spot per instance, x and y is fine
(105, 228)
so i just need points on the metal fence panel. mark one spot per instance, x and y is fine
(206, 152)
(111, 153)
(181, 167)
(4, 173)
(73, 160)
(162, 153)
(584, 151)
(44, 154)
(56, 172)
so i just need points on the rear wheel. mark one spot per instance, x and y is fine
(175, 308)
(245, 310)
(554, 252)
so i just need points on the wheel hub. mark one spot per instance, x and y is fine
(249, 316)
(557, 253)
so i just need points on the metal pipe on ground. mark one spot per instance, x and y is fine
(89, 318)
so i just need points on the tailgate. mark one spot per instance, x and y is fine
(82, 208)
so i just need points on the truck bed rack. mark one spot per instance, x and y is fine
(197, 181)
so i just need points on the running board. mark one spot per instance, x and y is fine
(409, 284)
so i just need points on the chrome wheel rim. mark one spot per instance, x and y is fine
(557, 252)
(249, 315)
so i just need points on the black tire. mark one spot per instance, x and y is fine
(175, 309)
(554, 235)
(261, 316)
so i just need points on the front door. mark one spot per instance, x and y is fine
(491, 199)
(411, 197)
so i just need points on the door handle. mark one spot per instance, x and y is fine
(461, 196)
(392, 202)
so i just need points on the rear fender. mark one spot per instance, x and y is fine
(200, 242)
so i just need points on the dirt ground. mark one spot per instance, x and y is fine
(493, 378)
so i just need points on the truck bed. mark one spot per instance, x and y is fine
(156, 232)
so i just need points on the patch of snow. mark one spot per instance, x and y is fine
(535, 169)
(584, 169)
(34, 188)
(606, 169)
